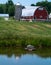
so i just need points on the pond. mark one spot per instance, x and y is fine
(18, 56)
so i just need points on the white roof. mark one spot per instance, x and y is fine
(29, 10)
(4, 15)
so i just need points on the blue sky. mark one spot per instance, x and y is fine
(23, 2)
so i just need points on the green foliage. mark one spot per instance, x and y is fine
(11, 10)
(1, 9)
(32, 4)
(10, 2)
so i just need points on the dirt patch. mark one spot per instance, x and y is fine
(39, 27)
(22, 28)
(48, 25)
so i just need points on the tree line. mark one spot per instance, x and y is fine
(9, 7)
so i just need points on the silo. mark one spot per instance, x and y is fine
(18, 11)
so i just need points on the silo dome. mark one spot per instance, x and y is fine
(18, 3)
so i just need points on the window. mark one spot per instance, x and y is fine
(40, 17)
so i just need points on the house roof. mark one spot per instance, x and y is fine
(4, 15)
(29, 10)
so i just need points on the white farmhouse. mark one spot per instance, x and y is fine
(5, 16)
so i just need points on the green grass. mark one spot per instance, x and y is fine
(21, 33)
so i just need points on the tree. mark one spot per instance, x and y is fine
(32, 4)
(23, 7)
(11, 10)
(10, 2)
(6, 7)
(1, 9)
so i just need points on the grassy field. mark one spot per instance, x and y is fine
(21, 33)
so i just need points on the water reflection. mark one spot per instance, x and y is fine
(44, 53)
(18, 56)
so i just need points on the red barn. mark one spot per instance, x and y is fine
(34, 12)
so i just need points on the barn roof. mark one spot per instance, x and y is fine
(29, 10)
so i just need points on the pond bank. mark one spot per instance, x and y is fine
(39, 42)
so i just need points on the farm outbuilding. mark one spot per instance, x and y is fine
(34, 12)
